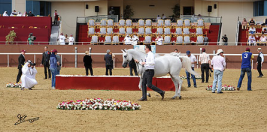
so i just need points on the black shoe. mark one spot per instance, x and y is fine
(212, 92)
(142, 99)
(250, 90)
(30, 88)
(195, 86)
(45, 78)
(237, 89)
(162, 95)
(189, 86)
(259, 76)
(220, 92)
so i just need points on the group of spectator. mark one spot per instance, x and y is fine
(19, 14)
(65, 40)
(163, 17)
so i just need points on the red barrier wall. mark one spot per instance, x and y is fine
(98, 60)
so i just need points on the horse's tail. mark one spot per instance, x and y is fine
(186, 63)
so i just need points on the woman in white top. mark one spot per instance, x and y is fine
(28, 76)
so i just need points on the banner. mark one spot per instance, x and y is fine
(142, 48)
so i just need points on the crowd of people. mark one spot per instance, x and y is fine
(19, 14)
(65, 40)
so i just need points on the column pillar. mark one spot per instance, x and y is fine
(265, 8)
(19, 5)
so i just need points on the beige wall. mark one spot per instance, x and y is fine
(116, 3)
(69, 11)
(184, 3)
(141, 8)
(19, 5)
(103, 8)
(201, 7)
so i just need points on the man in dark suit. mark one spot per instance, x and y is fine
(45, 62)
(21, 61)
(87, 60)
(108, 62)
(132, 66)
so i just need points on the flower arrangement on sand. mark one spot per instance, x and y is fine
(224, 88)
(184, 77)
(99, 104)
(13, 85)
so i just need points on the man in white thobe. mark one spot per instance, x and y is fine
(135, 40)
(159, 40)
(62, 39)
(71, 40)
(28, 76)
(127, 40)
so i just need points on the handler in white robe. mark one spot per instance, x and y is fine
(28, 76)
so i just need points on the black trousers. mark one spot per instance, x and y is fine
(91, 71)
(259, 69)
(205, 68)
(45, 72)
(109, 68)
(19, 75)
(135, 71)
(147, 82)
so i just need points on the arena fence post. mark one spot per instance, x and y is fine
(61, 60)
(76, 57)
(7, 60)
(34, 56)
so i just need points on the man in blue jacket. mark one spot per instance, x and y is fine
(247, 56)
(53, 67)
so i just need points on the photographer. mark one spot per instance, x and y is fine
(225, 39)
(28, 76)
(30, 39)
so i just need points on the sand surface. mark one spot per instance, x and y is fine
(198, 110)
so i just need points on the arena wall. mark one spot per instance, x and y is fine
(98, 60)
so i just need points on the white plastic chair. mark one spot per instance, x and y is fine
(187, 40)
(141, 30)
(115, 40)
(186, 30)
(148, 22)
(128, 22)
(159, 31)
(167, 39)
(94, 40)
(122, 30)
(91, 31)
(199, 31)
(160, 22)
(200, 22)
(179, 31)
(122, 22)
(168, 22)
(167, 31)
(103, 22)
(129, 30)
(108, 40)
(91, 22)
(200, 40)
(179, 40)
(147, 40)
(109, 30)
(141, 22)
(186, 22)
(110, 22)
(148, 30)
(103, 30)
(180, 22)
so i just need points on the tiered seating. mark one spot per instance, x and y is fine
(182, 32)
(244, 35)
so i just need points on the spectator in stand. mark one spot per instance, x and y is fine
(5, 13)
(87, 60)
(61, 39)
(45, 62)
(246, 57)
(252, 30)
(244, 24)
(225, 39)
(251, 40)
(108, 59)
(55, 18)
(71, 40)
(159, 40)
(19, 14)
(14, 13)
(58, 62)
(218, 63)
(252, 22)
(204, 60)
(163, 17)
(66, 40)
(25, 14)
(263, 38)
(132, 66)
(193, 62)
(206, 40)
(264, 31)
(260, 60)
(21, 61)
(127, 40)
(135, 40)
(30, 14)
(158, 18)
(53, 67)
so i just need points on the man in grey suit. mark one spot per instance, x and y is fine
(108, 62)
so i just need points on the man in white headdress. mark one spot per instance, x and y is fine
(5, 13)
(14, 13)
(135, 40)
(127, 40)
(159, 40)
(19, 14)
(71, 40)
(61, 39)
(28, 76)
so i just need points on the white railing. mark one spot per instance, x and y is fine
(61, 54)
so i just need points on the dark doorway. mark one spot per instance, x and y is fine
(117, 11)
(189, 10)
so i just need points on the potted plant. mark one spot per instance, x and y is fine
(10, 37)
(128, 12)
(176, 11)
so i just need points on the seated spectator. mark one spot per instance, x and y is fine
(163, 17)
(19, 14)
(252, 22)
(14, 13)
(135, 40)
(206, 40)
(5, 13)
(158, 17)
(252, 30)
(264, 31)
(263, 38)
(25, 14)
(30, 14)
(244, 24)
(159, 40)
(251, 40)
(127, 40)
(225, 39)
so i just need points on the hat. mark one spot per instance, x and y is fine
(203, 49)
(219, 51)
(54, 50)
(86, 52)
(259, 48)
(108, 51)
(188, 52)
(23, 51)
(247, 49)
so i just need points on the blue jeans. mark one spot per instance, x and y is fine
(243, 71)
(188, 78)
(218, 75)
(54, 73)
(58, 72)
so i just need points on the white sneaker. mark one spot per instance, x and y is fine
(53, 88)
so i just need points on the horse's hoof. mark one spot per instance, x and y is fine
(180, 97)
(148, 95)
(174, 97)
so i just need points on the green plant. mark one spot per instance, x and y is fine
(128, 12)
(10, 37)
(176, 11)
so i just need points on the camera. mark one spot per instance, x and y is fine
(32, 64)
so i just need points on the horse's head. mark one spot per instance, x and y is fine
(126, 58)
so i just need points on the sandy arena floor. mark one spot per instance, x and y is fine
(199, 110)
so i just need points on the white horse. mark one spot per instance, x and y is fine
(164, 65)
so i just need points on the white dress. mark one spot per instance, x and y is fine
(28, 76)
(71, 40)
(62, 39)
